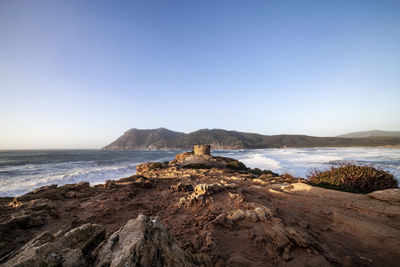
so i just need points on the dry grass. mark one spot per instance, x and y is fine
(353, 178)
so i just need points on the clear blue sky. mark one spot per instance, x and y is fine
(77, 74)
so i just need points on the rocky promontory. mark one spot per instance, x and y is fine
(200, 210)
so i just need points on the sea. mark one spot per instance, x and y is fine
(23, 171)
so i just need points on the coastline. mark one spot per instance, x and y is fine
(218, 216)
(23, 171)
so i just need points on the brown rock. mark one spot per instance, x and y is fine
(144, 182)
(15, 203)
(207, 189)
(71, 249)
(182, 187)
(110, 184)
(144, 242)
(44, 188)
(390, 195)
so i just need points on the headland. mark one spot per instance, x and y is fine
(200, 210)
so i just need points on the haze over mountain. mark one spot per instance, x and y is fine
(370, 134)
(162, 138)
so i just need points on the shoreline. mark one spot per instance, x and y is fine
(100, 166)
(217, 216)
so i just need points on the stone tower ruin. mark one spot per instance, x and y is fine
(201, 150)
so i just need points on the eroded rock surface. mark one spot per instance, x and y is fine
(391, 195)
(70, 249)
(145, 242)
(202, 159)
(142, 241)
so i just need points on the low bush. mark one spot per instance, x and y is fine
(353, 178)
(236, 165)
(258, 171)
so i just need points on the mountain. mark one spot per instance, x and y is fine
(159, 138)
(370, 134)
(162, 138)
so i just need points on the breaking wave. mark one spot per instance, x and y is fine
(262, 162)
(18, 186)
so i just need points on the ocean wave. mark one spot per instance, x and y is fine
(307, 158)
(261, 161)
(93, 175)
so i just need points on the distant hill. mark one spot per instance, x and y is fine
(370, 134)
(161, 138)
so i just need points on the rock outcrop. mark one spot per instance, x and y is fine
(141, 242)
(72, 248)
(145, 242)
(390, 195)
(202, 159)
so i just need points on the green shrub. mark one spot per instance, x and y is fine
(236, 165)
(258, 171)
(353, 178)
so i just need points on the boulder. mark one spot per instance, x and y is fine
(207, 189)
(391, 195)
(144, 241)
(182, 187)
(144, 182)
(110, 184)
(72, 248)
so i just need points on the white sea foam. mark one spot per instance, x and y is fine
(299, 161)
(260, 161)
(17, 186)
